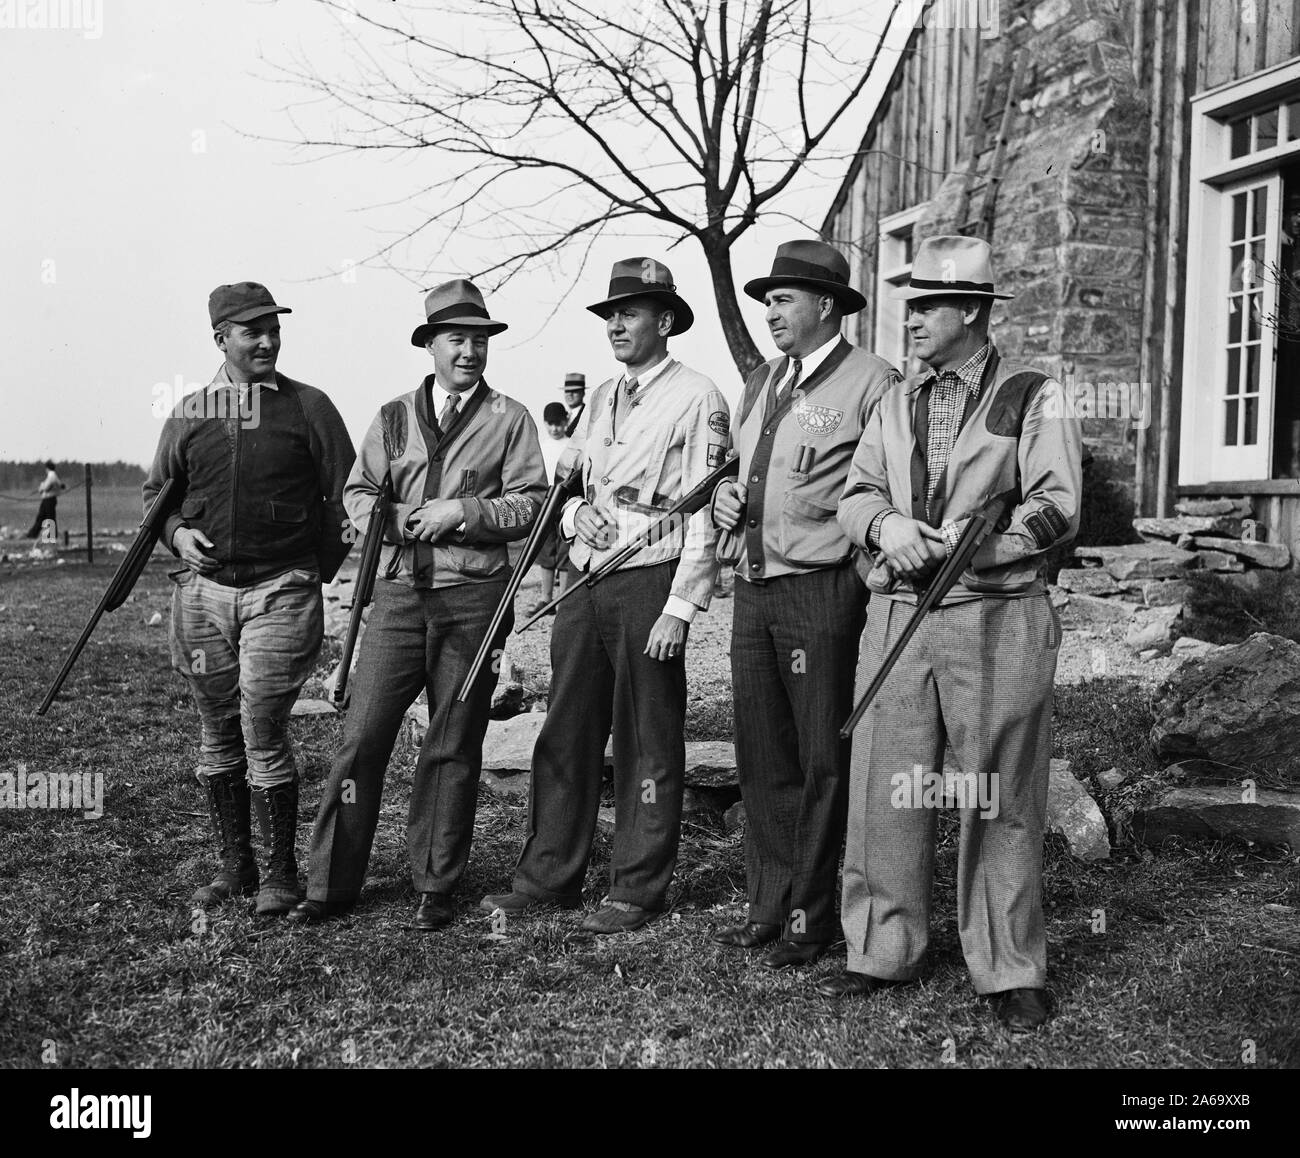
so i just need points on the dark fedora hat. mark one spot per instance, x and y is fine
(810, 265)
(242, 302)
(454, 303)
(644, 277)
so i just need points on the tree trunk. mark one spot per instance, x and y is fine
(743, 351)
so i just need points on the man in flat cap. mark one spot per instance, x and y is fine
(800, 603)
(618, 649)
(978, 673)
(467, 479)
(260, 461)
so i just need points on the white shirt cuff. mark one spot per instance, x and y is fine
(681, 608)
(568, 515)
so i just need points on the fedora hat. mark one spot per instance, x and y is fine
(949, 265)
(644, 277)
(810, 265)
(454, 303)
(574, 380)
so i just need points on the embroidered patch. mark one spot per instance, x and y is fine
(815, 419)
(717, 454)
(512, 511)
(718, 422)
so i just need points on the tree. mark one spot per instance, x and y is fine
(564, 119)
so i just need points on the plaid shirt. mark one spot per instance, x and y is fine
(949, 390)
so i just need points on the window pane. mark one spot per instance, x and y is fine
(1234, 371)
(1266, 129)
(1240, 137)
(1293, 120)
(1230, 425)
(1254, 311)
(1251, 383)
(1234, 319)
(1237, 260)
(1250, 435)
(1259, 222)
(1238, 216)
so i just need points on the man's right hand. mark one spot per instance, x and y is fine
(729, 505)
(188, 543)
(594, 527)
(912, 548)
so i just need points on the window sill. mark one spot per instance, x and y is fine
(1267, 486)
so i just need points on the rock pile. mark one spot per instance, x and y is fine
(1143, 586)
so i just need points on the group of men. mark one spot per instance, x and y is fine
(851, 487)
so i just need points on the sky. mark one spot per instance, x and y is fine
(135, 181)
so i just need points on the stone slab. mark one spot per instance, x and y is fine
(1092, 609)
(1073, 813)
(1219, 561)
(1158, 560)
(1188, 525)
(313, 708)
(1088, 581)
(1261, 554)
(1273, 818)
(1201, 507)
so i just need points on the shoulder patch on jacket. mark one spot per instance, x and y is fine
(393, 418)
(1047, 525)
(1006, 414)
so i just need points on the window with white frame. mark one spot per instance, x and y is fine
(893, 269)
(1241, 349)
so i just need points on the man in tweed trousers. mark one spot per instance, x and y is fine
(978, 673)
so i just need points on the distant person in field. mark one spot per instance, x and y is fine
(260, 461)
(554, 555)
(49, 492)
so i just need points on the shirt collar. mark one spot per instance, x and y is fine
(222, 380)
(970, 373)
(646, 379)
(439, 395)
(812, 363)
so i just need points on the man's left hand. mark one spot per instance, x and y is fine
(667, 638)
(434, 519)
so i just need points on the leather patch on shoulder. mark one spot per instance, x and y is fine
(1006, 414)
(393, 418)
(1047, 525)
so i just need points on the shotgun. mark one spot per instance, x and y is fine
(560, 489)
(693, 500)
(974, 533)
(124, 579)
(366, 573)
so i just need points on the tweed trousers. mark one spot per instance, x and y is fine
(979, 675)
(794, 643)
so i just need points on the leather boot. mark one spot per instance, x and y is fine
(228, 800)
(279, 806)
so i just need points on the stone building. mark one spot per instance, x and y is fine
(1136, 166)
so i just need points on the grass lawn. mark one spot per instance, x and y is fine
(103, 962)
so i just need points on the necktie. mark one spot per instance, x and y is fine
(788, 388)
(630, 387)
(448, 415)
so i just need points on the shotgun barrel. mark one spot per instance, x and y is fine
(365, 588)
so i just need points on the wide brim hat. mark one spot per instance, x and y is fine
(948, 266)
(454, 303)
(810, 265)
(644, 277)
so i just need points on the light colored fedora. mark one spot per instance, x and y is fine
(950, 265)
(454, 303)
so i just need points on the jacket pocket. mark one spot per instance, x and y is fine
(476, 562)
(287, 512)
(810, 536)
(191, 507)
(1009, 579)
(729, 547)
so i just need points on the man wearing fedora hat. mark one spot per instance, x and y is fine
(618, 649)
(799, 602)
(575, 399)
(467, 478)
(260, 461)
(978, 674)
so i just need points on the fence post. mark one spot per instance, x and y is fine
(90, 526)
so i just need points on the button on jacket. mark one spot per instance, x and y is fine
(638, 460)
(489, 460)
(1017, 434)
(794, 459)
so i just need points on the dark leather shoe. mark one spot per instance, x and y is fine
(749, 936)
(789, 953)
(848, 984)
(434, 912)
(512, 904)
(618, 917)
(1022, 1010)
(313, 912)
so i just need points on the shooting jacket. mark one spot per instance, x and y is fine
(489, 460)
(794, 460)
(263, 482)
(1017, 435)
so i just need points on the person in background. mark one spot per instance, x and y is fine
(575, 399)
(49, 492)
(554, 555)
